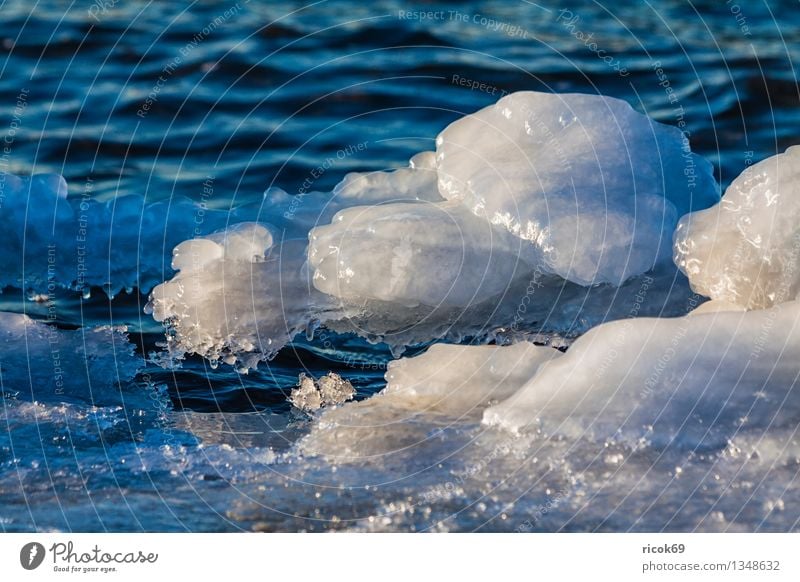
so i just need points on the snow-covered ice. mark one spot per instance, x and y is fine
(235, 306)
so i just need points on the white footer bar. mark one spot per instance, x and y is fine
(355, 557)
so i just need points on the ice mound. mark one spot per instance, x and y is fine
(42, 363)
(594, 185)
(689, 381)
(241, 301)
(381, 253)
(237, 297)
(241, 306)
(52, 241)
(497, 241)
(460, 381)
(447, 385)
(746, 250)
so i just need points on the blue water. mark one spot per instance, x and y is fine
(136, 98)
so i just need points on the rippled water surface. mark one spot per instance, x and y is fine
(157, 98)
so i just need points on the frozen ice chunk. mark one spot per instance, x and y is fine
(237, 294)
(746, 249)
(245, 241)
(334, 389)
(39, 362)
(403, 274)
(446, 281)
(416, 253)
(688, 381)
(591, 183)
(329, 390)
(306, 396)
(241, 301)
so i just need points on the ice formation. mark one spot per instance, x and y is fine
(746, 250)
(699, 379)
(618, 432)
(688, 382)
(296, 215)
(706, 377)
(595, 186)
(43, 363)
(684, 424)
(237, 302)
(492, 234)
(330, 390)
(625, 426)
(378, 253)
(461, 380)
